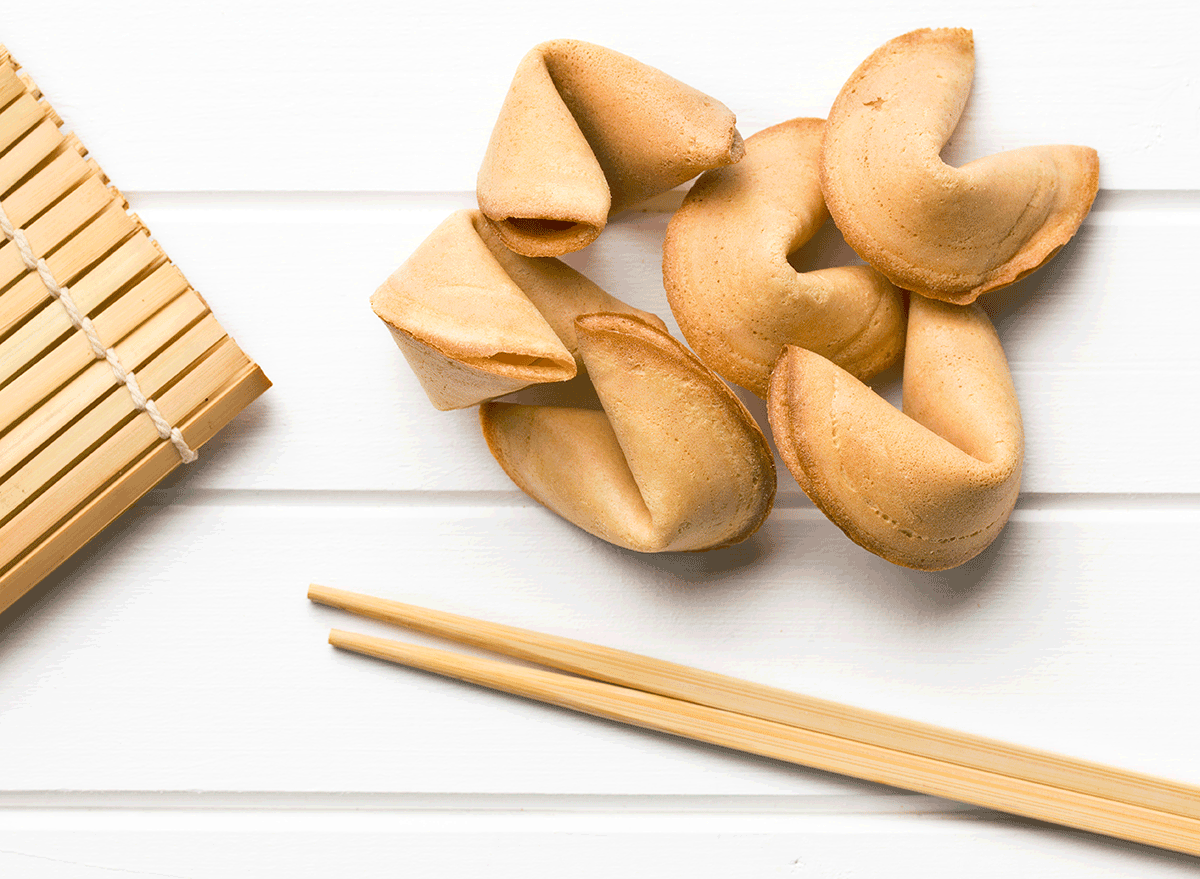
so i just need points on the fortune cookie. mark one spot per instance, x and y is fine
(929, 487)
(673, 462)
(735, 295)
(585, 132)
(947, 233)
(476, 321)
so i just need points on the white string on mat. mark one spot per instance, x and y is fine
(82, 322)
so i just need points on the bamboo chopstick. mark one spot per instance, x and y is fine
(824, 735)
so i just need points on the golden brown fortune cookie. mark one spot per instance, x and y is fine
(476, 321)
(585, 132)
(947, 233)
(736, 297)
(929, 487)
(673, 462)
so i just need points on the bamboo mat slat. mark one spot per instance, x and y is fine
(75, 448)
(90, 287)
(54, 414)
(70, 217)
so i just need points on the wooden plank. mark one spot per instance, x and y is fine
(653, 838)
(1098, 369)
(801, 746)
(1106, 374)
(1041, 642)
(1083, 75)
(695, 703)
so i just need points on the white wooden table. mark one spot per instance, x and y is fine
(168, 705)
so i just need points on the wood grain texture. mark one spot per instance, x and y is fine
(288, 171)
(589, 843)
(365, 96)
(1040, 641)
(1100, 343)
(619, 680)
(54, 501)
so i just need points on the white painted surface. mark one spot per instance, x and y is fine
(167, 703)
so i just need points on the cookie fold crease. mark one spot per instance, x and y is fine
(585, 132)
(476, 321)
(731, 287)
(944, 232)
(928, 487)
(672, 462)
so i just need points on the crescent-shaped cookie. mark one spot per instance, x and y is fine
(476, 321)
(929, 487)
(673, 462)
(585, 132)
(947, 233)
(736, 297)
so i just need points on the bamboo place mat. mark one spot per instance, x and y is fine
(76, 450)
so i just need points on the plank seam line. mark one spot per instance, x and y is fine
(888, 803)
(1029, 505)
(1183, 201)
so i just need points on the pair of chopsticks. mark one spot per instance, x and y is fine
(786, 726)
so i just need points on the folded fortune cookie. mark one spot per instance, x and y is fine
(929, 487)
(585, 132)
(947, 233)
(673, 462)
(476, 321)
(736, 297)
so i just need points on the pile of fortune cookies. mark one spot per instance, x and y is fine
(672, 460)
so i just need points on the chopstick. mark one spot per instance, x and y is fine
(769, 703)
(824, 735)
